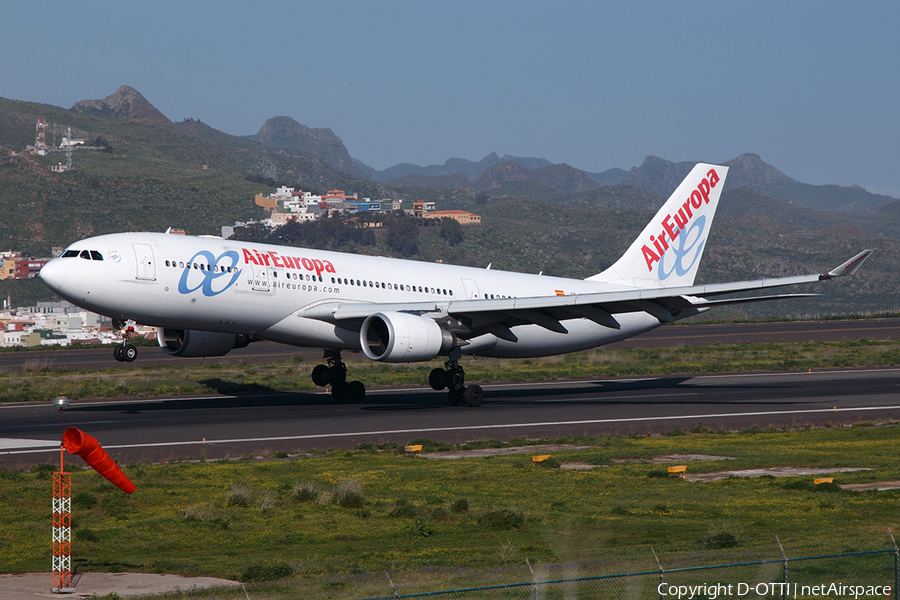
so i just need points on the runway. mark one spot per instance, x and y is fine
(252, 425)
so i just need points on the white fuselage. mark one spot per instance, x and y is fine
(216, 285)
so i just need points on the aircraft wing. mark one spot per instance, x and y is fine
(499, 315)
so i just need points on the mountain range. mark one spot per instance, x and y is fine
(147, 173)
(655, 174)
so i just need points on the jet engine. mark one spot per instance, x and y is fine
(403, 337)
(190, 343)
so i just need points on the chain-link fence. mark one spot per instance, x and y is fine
(849, 575)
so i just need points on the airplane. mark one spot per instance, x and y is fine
(208, 295)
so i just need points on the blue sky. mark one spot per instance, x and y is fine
(813, 87)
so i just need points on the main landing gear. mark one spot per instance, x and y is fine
(334, 373)
(453, 378)
(125, 352)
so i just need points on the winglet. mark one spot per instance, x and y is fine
(849, 267)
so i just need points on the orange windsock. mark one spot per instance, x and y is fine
(87, 447)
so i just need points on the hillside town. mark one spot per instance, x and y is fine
(54, 324)
(288, 204)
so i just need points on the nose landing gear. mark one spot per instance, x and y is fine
(126, 352)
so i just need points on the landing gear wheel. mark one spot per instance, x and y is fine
(473, 395)
(456, 379)
(340, 392)
(356, 391)
(318, 375)
(456, 398)
(336, 375)
(437, 379)
(119, 353)
(129, 353)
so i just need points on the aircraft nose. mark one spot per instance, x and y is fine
(53, 274)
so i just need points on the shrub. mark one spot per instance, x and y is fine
(305, 492)
(86, 535)
(403, 508)
(238, 495)
(460, 505)
(349, 494)
(504, 518)
(266, 572)
(43, 469)
(84, 500)
(421, 529)
(721, 540)
(267, 500)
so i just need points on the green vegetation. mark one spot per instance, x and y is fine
(337, 521)
(38, 381)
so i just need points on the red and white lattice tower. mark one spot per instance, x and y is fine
(62, 531)
(40, 137)
(62, 519)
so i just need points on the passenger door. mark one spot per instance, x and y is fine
(146, 265)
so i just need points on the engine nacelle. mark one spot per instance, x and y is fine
(402, 337)
(191, 343)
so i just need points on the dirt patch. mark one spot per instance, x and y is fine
(879, 485)
(483, 452)
(577, 466)
(16, 586)
(772, 471)
(673, 458)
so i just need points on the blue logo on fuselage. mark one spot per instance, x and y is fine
(683, 248)
(209, 272)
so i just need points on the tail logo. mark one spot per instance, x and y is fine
(209, 269)
(675, 226)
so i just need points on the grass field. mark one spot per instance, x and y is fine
(37, 382)
(330, 524)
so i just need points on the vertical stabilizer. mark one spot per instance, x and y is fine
(667, 252)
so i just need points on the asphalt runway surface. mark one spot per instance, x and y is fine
(253, 424)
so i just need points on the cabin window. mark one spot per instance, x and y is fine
(85, 255)
(96, 255)
(70, 254)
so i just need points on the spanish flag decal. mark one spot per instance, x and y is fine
(560, 293)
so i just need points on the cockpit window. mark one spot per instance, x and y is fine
(96, 255)
(85, 255)
(70, 254)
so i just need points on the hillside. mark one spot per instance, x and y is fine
(149, 174)
(152, 174)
